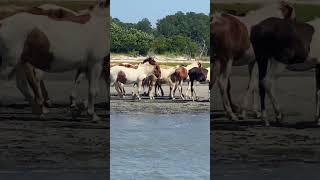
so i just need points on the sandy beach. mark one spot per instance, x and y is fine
(249, 149)
(57, 143)
(161, 104)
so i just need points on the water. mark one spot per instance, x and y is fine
(152, 147)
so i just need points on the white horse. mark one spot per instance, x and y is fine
(57, 46)
(125, 75)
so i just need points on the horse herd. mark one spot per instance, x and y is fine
(50, 38)
(151, 76)
(268, 40)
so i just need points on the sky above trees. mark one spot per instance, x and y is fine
(134, 10)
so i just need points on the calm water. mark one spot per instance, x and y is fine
(145, 146)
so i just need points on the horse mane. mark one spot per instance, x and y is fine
(150, 60)
(128, 65)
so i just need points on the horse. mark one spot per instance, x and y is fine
(198, 74)
(297, 51)
(125, 75)
(179, 76)
(50, 10)
(231, 46)
(45, 43)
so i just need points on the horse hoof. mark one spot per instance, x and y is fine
(267, 123)
(279, 118)
(243, 115)
(48, 103)
(233, 117)
(73, 106)
(257, 114)
(45, 110)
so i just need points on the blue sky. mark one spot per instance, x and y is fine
(134, 10)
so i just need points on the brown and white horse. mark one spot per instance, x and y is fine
(50, 10)
(179, 76)
(57, 46)
(128, 75)
(231, 46)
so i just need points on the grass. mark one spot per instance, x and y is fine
(304, 12)
(74, 5)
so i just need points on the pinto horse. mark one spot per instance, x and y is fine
(179, 76)
(52, 11)
(57, 46)
(231, 46)
(125, 75)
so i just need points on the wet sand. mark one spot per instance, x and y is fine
(247, 149)
(161, 105)
(56, 144)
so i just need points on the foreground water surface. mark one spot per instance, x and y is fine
(170, 146)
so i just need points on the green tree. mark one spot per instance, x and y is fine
(144, 25)
(125, 40)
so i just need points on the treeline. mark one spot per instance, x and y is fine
(178, 34)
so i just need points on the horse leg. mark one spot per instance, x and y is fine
(249, 91)
(22, 83)
(74, 95)
(161, 90)
(263, 65)
(117, 86)
(139, 88)
(180, 90)
(188, 93)
(47, 101)
(234, 107)
(34, 82)
(271, 91)
(223, 85)
(94, 76)
(122, 90)
(191, 89)
(317, 94)
(152, 85)
(255, 90)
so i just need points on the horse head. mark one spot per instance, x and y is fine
(101, 8)
(287, 10)
(151, 61)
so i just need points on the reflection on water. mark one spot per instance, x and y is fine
(147, 146)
